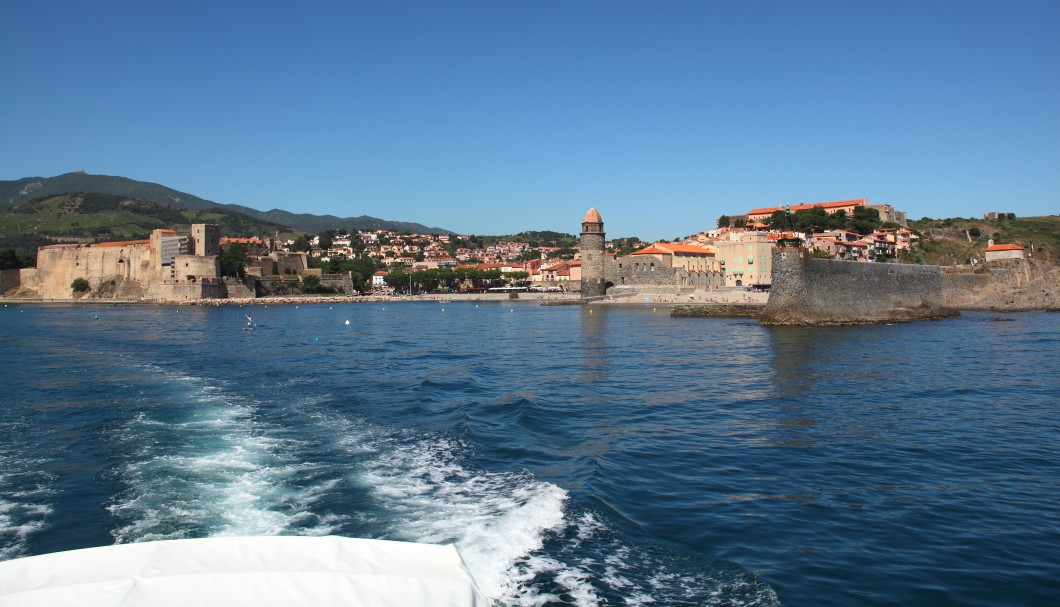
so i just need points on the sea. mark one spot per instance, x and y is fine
(574, 455)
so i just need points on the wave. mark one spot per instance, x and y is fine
(26, 495)
(521, 538)
(202, 463)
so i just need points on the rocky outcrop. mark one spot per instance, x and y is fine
(1003, 285)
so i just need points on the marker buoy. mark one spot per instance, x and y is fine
(347, 321)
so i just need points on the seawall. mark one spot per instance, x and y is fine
(810, 291)
(711, 310)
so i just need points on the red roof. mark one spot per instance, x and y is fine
(1004, 247)
(668, 248)
(121, 243)
(805, 207)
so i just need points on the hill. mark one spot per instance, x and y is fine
(88, 218)
(953, 241)
(16, 192)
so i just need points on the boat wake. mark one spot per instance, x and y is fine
(205, 465)
(25, 502)
(521, 538)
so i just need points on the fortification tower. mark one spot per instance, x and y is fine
(205, 239)
(592, 250)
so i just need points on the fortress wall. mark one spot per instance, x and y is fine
(636, 271)
(58, 266)
(10, 279)
(187, 291)
(196, 266)
(809, 291)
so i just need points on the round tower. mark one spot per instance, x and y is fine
(592, 250)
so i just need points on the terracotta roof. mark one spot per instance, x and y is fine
(806, 207)
(651, 250)
(593, 216)
(121, 243)
(1004, 247)
(668, 248)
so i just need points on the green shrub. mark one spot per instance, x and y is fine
(80, 285)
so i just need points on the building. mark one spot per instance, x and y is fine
(659, 268)
(996, 252)
(744, 258)
(847, 206)
(165, 267)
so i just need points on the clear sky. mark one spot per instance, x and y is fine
(493, 117)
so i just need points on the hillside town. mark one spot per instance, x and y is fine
(735, 255)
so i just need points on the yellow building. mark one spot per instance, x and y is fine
(745, 258)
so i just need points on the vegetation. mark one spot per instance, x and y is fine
(863, 221)
(955, 240)
(234, 260)
(80, 285)
(449, 279)
(92, 217)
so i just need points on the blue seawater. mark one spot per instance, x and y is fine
(574, 455)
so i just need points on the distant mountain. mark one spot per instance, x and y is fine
(30, 188)
(92, 217)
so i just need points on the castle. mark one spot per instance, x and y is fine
(661, 268)
(166, 267)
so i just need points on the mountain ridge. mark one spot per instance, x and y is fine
(17, 191)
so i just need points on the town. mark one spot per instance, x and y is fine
(735, 255)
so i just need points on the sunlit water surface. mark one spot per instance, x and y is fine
(575, 456)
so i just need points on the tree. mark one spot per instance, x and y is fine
(301, 243)
(234, 259)
(9, 260)
(723, 221)
(310, 282)
(865, 220)
(80, 285)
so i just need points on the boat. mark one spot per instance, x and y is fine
(260, 571)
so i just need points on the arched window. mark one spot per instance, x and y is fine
(652, 267)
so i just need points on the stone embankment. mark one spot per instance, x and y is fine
(712, 310)
(809, 291)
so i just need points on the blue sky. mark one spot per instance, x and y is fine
(502, 116)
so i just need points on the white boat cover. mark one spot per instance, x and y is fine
(230, 571)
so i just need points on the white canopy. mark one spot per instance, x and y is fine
(259, 571)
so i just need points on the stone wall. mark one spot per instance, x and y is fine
(649, 273)
(9, 279)
(808, 291)
(58, 266)
(1003, 285)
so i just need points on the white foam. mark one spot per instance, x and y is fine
(25, 503)
(207, 466)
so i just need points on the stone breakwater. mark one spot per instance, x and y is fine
(809, 291)
(710, 310)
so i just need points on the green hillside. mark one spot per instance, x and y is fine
(91, 217)
(954, 240)
(16, 192)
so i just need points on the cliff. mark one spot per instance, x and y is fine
(1004, 285)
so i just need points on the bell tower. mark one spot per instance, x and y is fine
(592, 253)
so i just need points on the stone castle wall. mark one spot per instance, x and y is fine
(654, 274)
(809, 291)
(58, 265)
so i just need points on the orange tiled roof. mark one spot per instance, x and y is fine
(1004, 247)
(668, 248)
(121, 243)
(805, 207)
